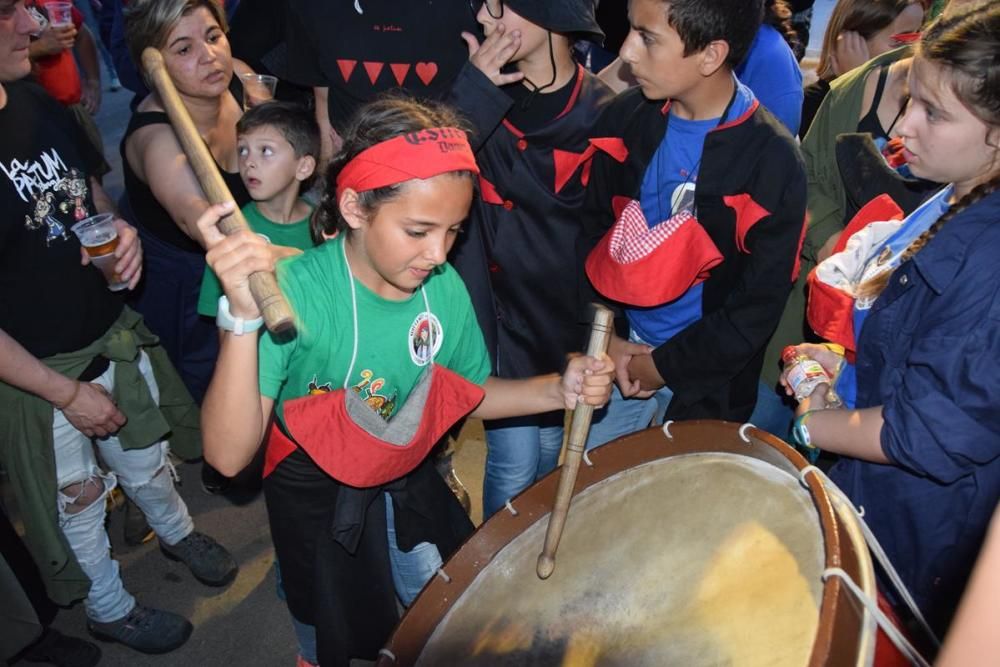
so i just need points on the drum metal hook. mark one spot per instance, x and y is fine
(805, 471)
(387, 653)
(743, 433)
(444, 575)
(510, 508)
(586, 459)
(666, 428)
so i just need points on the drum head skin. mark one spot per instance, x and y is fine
(702, 559)
(702, 544)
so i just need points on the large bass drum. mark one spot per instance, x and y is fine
(699, 545)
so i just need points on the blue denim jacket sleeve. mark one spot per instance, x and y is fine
(942, 416)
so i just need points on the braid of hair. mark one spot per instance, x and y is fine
(874, 286)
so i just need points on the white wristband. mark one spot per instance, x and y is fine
(224, 320)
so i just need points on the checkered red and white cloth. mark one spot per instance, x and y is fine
(632, 238)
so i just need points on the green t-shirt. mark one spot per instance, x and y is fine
(292, 235)
(393, 336)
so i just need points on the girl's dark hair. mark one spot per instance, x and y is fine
(966, 46)
(385, 118)
(778, 15)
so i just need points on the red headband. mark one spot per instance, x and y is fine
(420, 154)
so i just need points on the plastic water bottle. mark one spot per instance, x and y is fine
(804, 374)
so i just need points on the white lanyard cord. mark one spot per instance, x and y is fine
(354, 315)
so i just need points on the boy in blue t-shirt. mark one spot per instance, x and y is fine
(701, 212)
(278, 144)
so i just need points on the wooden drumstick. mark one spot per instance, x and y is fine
(600, 336)
(273, 306)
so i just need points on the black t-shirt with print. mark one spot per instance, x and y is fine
(49, 303)
(362, 48)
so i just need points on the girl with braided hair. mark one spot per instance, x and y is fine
(919, 310)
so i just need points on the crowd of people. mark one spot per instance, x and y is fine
(442, 192)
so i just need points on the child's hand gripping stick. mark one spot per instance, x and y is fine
(600, 335)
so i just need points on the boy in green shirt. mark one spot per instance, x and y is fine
(278, 143)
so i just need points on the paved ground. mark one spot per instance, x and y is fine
(243, 624)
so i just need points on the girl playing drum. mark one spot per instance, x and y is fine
(376, 305)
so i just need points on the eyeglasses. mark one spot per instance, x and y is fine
(493, 7)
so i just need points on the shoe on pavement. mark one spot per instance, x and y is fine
(62, 650)
(145, 630)
(137, 530)
(208, 560)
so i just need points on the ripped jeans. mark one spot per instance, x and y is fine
(144, 474)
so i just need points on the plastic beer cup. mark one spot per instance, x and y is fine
(60, 13)
(257, 89)
(99, 238)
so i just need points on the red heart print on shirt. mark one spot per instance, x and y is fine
(426, 72)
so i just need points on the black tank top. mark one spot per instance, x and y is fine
(870, 122)
(149, 213)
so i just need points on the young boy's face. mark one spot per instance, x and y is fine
(268, 164)
(655, 52)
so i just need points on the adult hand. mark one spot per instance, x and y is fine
(234, 258)
(90, 95)
(92, 412)
(850, 51)
(495, 52)
(587, 380)
(53, 40)
(128, 252)
(621, 352)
